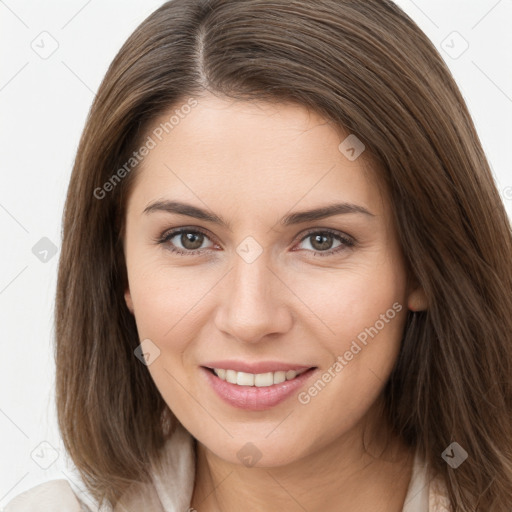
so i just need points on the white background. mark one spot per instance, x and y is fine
(43, 107)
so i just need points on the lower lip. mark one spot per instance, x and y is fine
(254, 398)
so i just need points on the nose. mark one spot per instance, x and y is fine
(253, 303)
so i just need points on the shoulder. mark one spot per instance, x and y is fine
(51, 496)
(170, 489)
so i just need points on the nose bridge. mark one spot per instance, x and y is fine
(253, 305)
(250, 287)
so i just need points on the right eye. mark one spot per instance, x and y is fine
(184, 241)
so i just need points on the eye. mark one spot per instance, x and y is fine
(327, 242)
(185, 241)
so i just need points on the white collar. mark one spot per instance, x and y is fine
(174, 482)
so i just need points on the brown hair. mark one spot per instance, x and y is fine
(368, 68)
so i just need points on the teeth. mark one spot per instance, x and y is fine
(279, 377)
(221, 373)
(260, 380)
(290, 374)
(245, 379)
(231, 376)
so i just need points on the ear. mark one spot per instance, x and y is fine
(128, 299)
(417, 300)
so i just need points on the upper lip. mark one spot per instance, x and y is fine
(256, 367)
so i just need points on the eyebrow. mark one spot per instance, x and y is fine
(291, 219)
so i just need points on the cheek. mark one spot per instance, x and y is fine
(170, 308)
(167, 300)
(346, 302)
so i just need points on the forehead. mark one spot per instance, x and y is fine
(255, 153)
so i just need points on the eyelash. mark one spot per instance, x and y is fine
(347, 242)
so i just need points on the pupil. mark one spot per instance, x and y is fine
(326, 244)
(191, 240)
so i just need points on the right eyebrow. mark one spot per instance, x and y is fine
(185, 209)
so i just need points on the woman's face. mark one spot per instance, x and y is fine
(287, 259)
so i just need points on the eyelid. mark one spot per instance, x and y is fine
(334, 232)
(176, 231)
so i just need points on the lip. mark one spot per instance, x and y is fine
(252, 398)
(257, 367)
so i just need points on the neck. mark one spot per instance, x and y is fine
(342, 475)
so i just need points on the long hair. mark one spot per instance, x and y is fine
(369, 69)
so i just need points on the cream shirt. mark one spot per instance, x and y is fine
(172, 488)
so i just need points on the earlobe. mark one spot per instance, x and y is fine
(417, 300)
(128, 300)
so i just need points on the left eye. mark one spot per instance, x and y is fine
(324, 242)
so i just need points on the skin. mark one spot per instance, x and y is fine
(252, 164)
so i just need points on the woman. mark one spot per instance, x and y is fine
(285, 279)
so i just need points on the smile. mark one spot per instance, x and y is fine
(255, 391)
(260, 380)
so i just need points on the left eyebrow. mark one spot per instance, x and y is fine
(324, 212)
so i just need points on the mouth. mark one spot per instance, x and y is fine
(256, 391)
